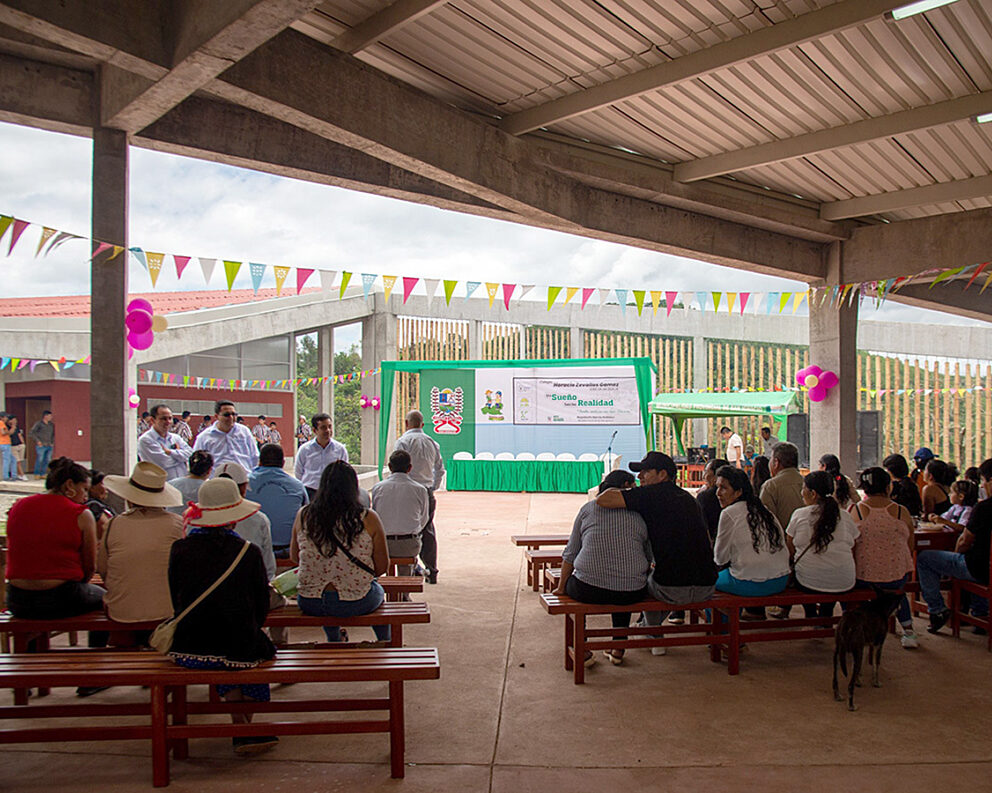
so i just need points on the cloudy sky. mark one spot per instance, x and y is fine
(197, 208)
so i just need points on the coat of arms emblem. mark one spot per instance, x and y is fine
(446, 410)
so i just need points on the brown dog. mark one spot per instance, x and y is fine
(865, 625)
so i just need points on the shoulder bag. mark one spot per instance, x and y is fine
(162, 636)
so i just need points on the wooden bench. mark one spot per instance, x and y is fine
(169, 709)
(395, 561)
(23, 631)
(717, 635)
(538, 561)
(538, 540)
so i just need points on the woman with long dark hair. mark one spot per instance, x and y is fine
(938, 477)
(750, 542)
(760, 473)
(821, 539)
(844, 490)
(904, 490)
(341, 549)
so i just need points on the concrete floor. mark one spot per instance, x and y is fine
(505, 715)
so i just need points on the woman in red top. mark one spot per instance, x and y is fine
(51, 548)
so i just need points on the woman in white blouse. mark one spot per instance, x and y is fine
(750, 542)
(821, 539)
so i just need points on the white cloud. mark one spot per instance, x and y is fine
(198, 208)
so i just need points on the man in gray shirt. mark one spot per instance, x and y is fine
(427, 470)
(402, 506)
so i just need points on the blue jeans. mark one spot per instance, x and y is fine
(330, 605)
(42, 457)
(931, 565)
(9, 463)
(903, 614)
(725, 582)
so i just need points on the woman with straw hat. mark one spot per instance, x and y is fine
(134, 553)
(224, 630)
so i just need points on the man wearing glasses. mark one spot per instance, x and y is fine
(226, 440)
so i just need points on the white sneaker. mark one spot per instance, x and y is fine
(659, 651)
(654, 650)
(909, 641)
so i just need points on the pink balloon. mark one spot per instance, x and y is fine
(139, 303)
(141, 341)
(138, 321)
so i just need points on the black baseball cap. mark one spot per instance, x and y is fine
(656, 461)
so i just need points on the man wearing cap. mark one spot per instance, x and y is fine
(402, 505)
(227, 440)
(922, 456)
(684, 571)
(427, 470)
(314, 456)
(161, 446)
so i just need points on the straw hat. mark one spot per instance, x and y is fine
(219, 504)
(146, 487)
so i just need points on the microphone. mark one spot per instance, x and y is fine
(613, 437)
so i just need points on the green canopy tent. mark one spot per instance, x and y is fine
(644, 369)
(679, 407)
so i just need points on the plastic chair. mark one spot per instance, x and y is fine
(526, 456)
(588, 457)
(546, 456)
(462, 456)
(504, 456)
(565, 456)
(485, 456)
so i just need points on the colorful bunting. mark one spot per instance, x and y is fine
(470, 287)
(388, 282)
(327, 279)
(409, 283)
(181, 262)
(717, 297)
(281, 273)
(570, 292)
(154, 264)
(553, 292)
(257, 273)
(231, 269)
(656, 301)
(507, 294)
(15, 233)
(449, 290)
(46, 234)
(622, 300)
(207, 267)
(431, 284)
(302, 274)
(492, 290)
(368, 281)
(639, 300)
(345, 279)
(586, 294)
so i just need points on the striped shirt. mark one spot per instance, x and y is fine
(609, 548)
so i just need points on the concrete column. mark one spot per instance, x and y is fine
(296, 407)
(833, 335)
(475, 339)
(700, 380)
(378, 345)
(325, 368)
(575, 343)
(113, 439)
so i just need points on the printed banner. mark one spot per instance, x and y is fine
(446, 400)
(569, 400)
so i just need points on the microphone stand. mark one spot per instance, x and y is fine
(609, 452)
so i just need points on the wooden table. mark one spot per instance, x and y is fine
(538, 540)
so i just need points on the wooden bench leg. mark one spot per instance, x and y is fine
(22, 642)
(530, 573)
(535, 583)
(397, 734)
(734, 651)
(569, 637)
(180, 746)
(579, 662)
(396, 635)
(160, 744)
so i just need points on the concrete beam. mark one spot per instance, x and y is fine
(792, 33)
(51, 97)
(953, 298)
(203, 38)
(381, 24)
(918, 118)
(940, 193)
(912, 246)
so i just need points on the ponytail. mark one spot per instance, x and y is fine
(822, 483)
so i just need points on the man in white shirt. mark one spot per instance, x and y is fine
(401, 504)
(428, 470)
(768, 442)
(260, 432)
(735, 447)
(182, 428)
(314, 456)
(227, 440)
(164, 448)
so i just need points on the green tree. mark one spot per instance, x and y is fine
(347, 413)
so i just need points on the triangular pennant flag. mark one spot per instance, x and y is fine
(492, 290)
(639, 300)
(586, 294)
(986, 284)
(731, 302)
(154, 263)
(850, 299)
(46, 235)
(302, 275)
(744, 299)
(686, 302)
(139, 254)
(507, 294)
(409, 282)
(15, 233)
(345, 278)
(783, 301)
(945, 275)
(231, 271)
(798, 301)
(207, 266)
(570, 292)
(15, 364)
(470, 287)
(431, 285)
(65, 236)
(368, 281)
(327, 279)
(655, 300)
(181, 262)
(974, 275)
(669, 302)
(103, 246)
(449, 290)
(257, 273)
(604, 295)
(3, 364)
(5, 221)
(281, 272)
(524, 289)
(622, 300)
(717, 297)
(553, 292)
(388, 282)
(701, 299)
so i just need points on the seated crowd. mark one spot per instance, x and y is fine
(206, 520)
(657, 541)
